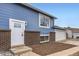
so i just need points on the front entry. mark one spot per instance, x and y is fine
(17, 32)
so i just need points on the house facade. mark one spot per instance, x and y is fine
(72, 33)
(75, 33)
(24, 24)
(69, 33)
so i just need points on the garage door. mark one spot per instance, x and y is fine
(60, 35)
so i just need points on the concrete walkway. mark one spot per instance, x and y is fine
(74, 42)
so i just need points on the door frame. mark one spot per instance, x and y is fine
(10, 26)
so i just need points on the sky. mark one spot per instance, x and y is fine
(67, 14)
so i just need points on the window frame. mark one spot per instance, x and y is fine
(40, 22)
(44, 35)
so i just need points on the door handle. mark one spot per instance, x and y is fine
(22, 34)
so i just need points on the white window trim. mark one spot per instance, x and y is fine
(40, 23)
(44, 41)
(44, 34)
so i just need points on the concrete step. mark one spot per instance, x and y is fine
(20, 50)
(30, 53)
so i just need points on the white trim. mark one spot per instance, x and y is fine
(43, 26)
(10, 20)
(44, 34)
(44, 41)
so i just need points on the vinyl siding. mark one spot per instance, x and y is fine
(16, 11)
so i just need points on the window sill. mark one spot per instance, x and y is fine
(43, 27)
(44, 34)
(44, 41)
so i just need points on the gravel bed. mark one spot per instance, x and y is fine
(5, 53)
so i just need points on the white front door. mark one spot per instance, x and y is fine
(17, 32)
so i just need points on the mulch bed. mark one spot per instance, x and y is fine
(50, 48)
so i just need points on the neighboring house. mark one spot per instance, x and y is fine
(24, 24)
(72, 33)
(75, 33)
(60, 33)
(69, 33)
(63, 33)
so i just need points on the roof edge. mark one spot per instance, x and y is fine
(38, 10)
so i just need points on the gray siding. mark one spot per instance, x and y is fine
(19, 12)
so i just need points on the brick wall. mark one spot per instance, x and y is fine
(32, 37)
(52, 36)
(5, 39)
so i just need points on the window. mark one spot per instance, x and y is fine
(17, 25)
(44, 21)
(44, 38)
